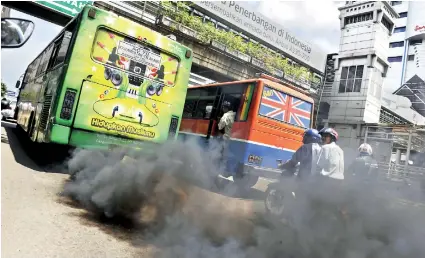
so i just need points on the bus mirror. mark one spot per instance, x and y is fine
(18, 83)
(15, 32)
(188, 53)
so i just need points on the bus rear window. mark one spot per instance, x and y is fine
(139, 60)
(285, 108)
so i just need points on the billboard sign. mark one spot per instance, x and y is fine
(70, 8)
(261, 28)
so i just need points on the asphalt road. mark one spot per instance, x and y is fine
(37, 222)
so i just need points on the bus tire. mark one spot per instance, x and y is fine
(245, 181)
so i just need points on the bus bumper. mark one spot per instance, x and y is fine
(94, 140)
(261, 171)
(60, 134)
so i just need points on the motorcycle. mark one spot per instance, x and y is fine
(280, 196)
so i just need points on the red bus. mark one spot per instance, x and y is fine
(270, 120)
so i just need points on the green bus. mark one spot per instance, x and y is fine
(105, 81)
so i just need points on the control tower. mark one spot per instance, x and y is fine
(354, 95)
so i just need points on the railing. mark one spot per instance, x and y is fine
(148, 12)
(396, 172)
(140, 10)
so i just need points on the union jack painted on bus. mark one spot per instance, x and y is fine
(285, 108)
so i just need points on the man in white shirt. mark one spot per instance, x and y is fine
(227, 120)
(331, 157)
(331, 165)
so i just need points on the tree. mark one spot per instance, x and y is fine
(3, 89)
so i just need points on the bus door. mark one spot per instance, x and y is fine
(237, 97)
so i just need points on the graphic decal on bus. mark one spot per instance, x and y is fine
(131, 90)
(285, 108)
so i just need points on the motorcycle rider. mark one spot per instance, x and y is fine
(306, 155)
(331, 165)
(364, 166)
(331, 158)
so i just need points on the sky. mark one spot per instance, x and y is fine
(14, 61)
(314, 21)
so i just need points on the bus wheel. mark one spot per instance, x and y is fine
(246, 181)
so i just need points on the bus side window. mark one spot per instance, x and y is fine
(189, 107)
(63, 49)
(44, 60)
(32, 70)
(203, 109)
(55, 52)
(199, 103)
(239, 96)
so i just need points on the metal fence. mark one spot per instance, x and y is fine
(399, 151)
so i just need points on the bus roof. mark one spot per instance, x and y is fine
(278, 86)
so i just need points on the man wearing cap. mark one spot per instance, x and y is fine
(227, 120)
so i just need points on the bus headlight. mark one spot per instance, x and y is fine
(68, 103)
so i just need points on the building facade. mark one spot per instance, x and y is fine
(406, 56)
(353, 91)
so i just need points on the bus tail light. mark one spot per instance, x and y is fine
(173, 127)
(68, 103)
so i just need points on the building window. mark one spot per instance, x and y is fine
(416, 41)
(387, 24)
(351, 79)
(397, 44)
(395, 3)
(400, 29)
(394, 59)
(411, 57)
(358, 18)
(403, 14)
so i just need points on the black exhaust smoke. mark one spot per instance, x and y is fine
(198, 223)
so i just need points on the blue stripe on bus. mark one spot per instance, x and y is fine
(239, 151)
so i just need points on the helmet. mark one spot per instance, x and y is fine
(226, 104)
(311, 136)
(365, 149)
(330, 131)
